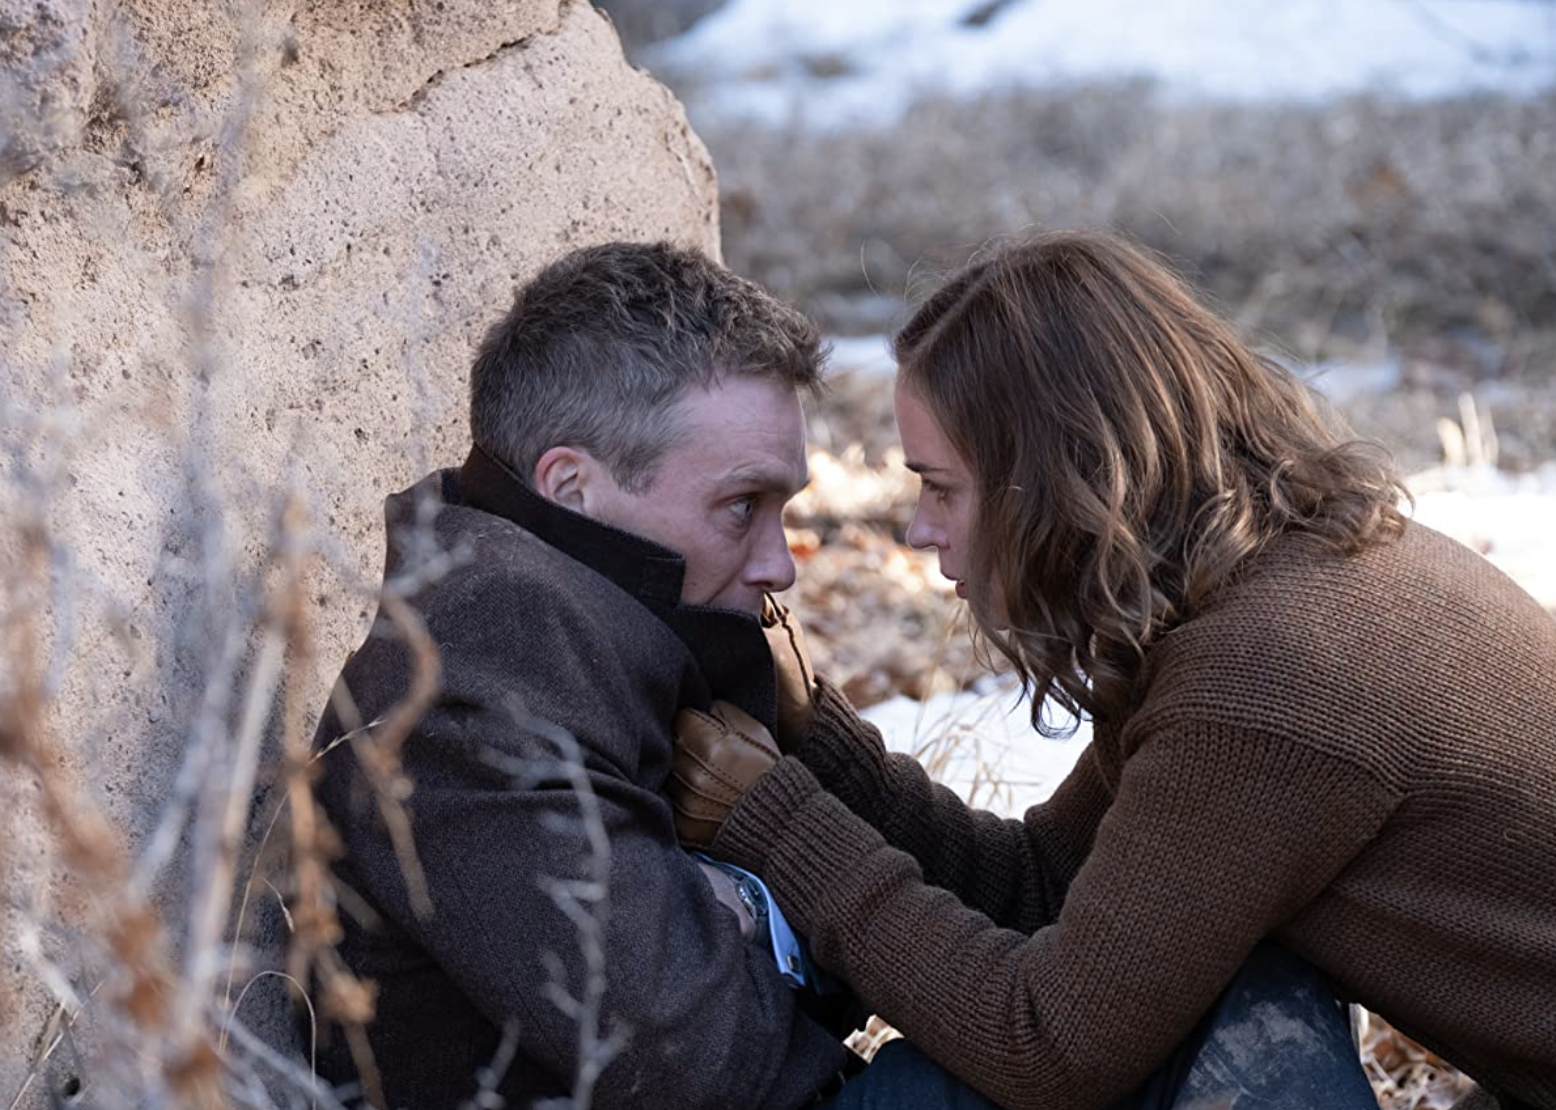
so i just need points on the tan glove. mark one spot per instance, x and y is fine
(796, 677)
(718, 756)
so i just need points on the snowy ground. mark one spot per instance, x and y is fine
(1509, 518)
(981, 744)
(824, 62)
(1000, 763)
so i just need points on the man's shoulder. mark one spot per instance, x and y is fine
(519, 634)
(499, 578)
(509, 613)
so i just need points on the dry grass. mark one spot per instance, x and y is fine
(1366, 218)
(1404, 1075)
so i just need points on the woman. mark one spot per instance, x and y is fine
(1320, 731)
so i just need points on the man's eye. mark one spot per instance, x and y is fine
(743, 509)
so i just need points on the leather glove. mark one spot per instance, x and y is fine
(718, 756)
(796, 677)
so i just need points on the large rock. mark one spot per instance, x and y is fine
(241, 257)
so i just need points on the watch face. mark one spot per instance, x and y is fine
(751, 896)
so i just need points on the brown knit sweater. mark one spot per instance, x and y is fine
(1355, 756)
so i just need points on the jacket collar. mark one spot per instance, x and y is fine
(728, 645)
(650, 572)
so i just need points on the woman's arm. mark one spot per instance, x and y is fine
(1015, 872)
(1216, 837)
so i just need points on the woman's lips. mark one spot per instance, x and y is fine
(961, 589)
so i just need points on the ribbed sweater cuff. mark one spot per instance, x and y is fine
(797, 837)
(760, 817)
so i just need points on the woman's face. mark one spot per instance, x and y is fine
(943, 518)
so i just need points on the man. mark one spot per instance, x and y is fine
(596, 564)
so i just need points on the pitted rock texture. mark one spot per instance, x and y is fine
(245, 253)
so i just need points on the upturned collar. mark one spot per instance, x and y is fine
(727, 644)
(650, 572)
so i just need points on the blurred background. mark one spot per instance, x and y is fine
(1367, 188)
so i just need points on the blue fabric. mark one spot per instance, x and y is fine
(1277, 1039)
(789, 951)
(903, 1078)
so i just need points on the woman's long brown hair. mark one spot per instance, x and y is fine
(1130, 455)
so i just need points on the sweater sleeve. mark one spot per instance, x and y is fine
(1216, 837)
(1014, 871)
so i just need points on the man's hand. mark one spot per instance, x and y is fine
(796, 677)
(724, 890)
(718, 756)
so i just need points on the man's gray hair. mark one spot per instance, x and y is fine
(598, 349)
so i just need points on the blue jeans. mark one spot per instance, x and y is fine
(1276, 1039)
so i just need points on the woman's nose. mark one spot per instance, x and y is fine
(922, 535)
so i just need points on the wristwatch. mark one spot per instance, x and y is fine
(753, 899)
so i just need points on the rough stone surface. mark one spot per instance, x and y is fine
(240, 257)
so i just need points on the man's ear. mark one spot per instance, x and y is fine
(571, 477)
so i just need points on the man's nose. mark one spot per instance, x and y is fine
(772, 565)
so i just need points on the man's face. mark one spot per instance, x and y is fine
(718, 492)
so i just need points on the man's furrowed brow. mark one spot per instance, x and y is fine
(775, 478)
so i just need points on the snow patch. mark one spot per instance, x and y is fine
(829, 63)
(1508, 518)
(981, 744)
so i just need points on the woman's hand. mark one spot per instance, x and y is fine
(718, 756)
